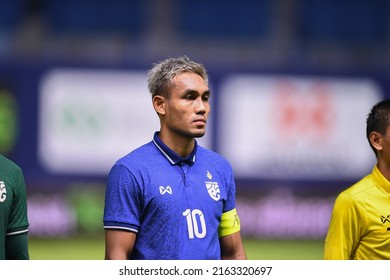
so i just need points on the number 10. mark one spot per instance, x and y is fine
(195, 223)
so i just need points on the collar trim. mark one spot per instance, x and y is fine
(380, 180)
(171, 156)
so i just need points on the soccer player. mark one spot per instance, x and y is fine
(360, 224)
(13, 212)
(172, 198)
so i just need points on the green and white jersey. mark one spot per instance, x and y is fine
(360, 225)
(13, 202)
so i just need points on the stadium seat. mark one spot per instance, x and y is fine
(12, 14)
(218, 19)
(345, 22)
(95, 16)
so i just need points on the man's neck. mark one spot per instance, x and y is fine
(182, 146)
(384, 168)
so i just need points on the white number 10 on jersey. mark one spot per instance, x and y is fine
(195, 223)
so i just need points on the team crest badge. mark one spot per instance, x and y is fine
(3, 191)
(213, 189)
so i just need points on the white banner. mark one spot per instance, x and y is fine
(251, 269)
(90, 118)
(284, 127)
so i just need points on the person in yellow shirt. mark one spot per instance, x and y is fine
(359, 228)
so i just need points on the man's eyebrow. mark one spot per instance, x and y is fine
(195, 91)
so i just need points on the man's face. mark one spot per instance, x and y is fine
(187, 107)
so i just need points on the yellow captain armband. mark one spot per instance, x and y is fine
(230, 223)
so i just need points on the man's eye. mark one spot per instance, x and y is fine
(190, 97)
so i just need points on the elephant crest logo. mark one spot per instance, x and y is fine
(213, 189)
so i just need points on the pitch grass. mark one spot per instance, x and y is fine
(93, 249)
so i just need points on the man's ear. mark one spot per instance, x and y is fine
(159, 104)
(376, 140)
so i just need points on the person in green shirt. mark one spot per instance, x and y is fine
(13, 212)
(359, 228)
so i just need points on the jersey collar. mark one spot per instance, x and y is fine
(170, 155)
(380, 180)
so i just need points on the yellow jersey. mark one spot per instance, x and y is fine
(359, 228)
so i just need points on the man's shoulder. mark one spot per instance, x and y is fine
(211, 155)
(141, 150)
(359, 189)
(8, 165)
(139, 154)
(208, 152)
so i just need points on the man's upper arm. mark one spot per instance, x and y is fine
(344, 229)
(16, 247)
(119, 244)
(16, 242)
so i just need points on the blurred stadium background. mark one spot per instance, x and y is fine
(292, 83)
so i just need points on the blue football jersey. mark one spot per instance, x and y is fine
(173, 204)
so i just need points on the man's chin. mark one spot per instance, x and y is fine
(194, 133)
(200, 135)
